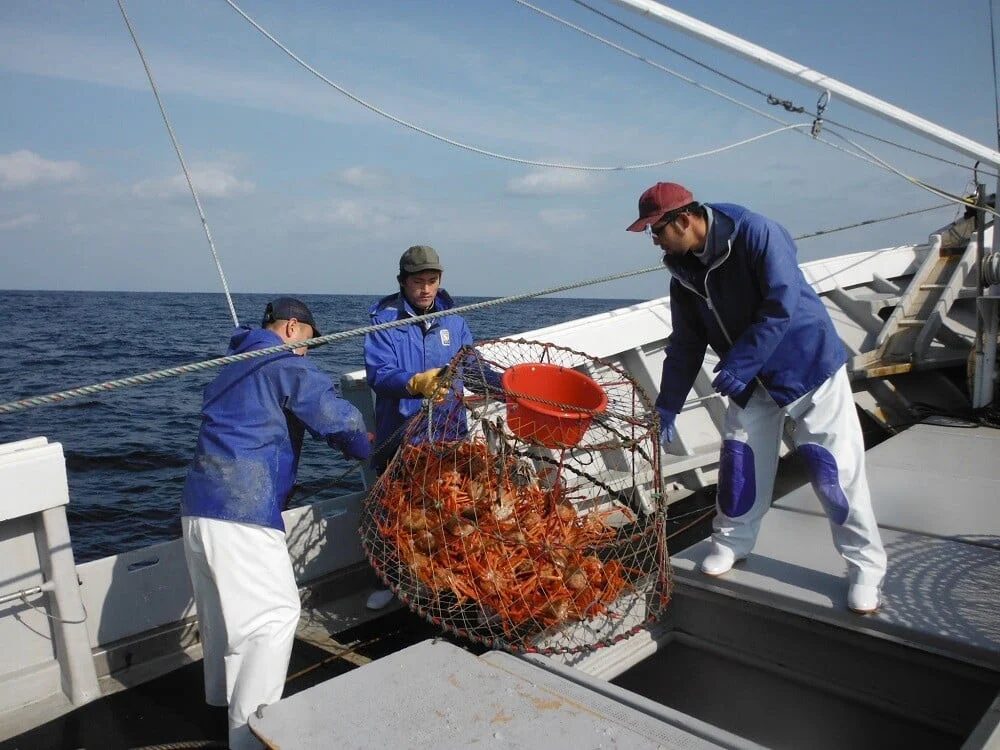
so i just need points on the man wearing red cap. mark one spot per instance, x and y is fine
(736, 286)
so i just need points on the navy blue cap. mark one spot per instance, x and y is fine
(286, 308)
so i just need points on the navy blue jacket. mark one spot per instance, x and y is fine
(254, 415)
(754, 307)
(395, 355)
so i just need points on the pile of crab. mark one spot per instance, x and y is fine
(469, 537)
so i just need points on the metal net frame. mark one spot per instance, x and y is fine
(524, 509)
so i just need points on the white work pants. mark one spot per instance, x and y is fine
(248, 609)
(828, 437)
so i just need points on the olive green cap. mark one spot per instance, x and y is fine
(419, 258)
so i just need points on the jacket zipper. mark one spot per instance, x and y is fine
(711, 306)
(707, 297)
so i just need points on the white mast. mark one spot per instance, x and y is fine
(765, 57)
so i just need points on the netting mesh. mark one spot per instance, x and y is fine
(524, 509)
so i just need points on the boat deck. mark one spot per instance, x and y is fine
(929, 660)
(940, 525)
(922, 672)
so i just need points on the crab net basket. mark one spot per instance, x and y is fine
(524, 509)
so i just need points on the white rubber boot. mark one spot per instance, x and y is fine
(862, 599)
(719, 560)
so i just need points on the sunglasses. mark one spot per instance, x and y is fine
(654, 230)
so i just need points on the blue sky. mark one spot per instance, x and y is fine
(307, 192)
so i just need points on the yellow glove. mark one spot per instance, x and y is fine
(428, 384)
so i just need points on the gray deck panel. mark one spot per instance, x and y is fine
(940, 481)
(939, 595)
(436, 695)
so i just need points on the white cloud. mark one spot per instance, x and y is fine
(357, 214)
(24, 220)
(561, 216)
(552, 182)
(25, 168)
(210, 180)
(363, 177)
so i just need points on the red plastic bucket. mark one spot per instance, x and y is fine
(557, 424)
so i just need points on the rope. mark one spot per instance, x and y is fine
(333, 656)
(691, 81)
(695, 522)
(180, 157)
(579, 167)
(787, 104)
(476, 149)
(315, 489)
(151, 377)
(993, 55)
(24, 598)
(42, 400)
(649, 62)
(667, 47)
(689, 513)
(919, 183)
(188, 745)
(872, 221)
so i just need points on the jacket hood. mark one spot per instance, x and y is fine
(688, 266)
(246, 339)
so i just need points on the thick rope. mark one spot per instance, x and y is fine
(13, 406)
(151, 377)
(180, 157)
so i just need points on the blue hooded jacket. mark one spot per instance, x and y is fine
(395, 355)
(753, 306)
(254, 415)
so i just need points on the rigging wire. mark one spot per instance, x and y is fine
(504, 157)
(771, 99)
(996, 86)
(689, 80)
(872, 221)
(641, 58)
(481, 151)
(968, 203)
(867, 156)
(180, 157)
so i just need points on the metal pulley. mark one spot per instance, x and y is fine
(991, 269)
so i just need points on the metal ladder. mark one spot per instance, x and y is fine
(904, 342)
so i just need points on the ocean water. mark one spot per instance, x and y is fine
(127, 451)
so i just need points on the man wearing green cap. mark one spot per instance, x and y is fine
(404, 364)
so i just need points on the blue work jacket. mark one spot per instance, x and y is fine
(254, 415)
(756, 310)
(395, 355)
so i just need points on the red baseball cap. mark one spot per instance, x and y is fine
(660, 199)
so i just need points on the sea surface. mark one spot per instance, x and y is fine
(127, 451)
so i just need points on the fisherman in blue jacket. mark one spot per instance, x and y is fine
(404, 364)
(254, 417)
(736, 286)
